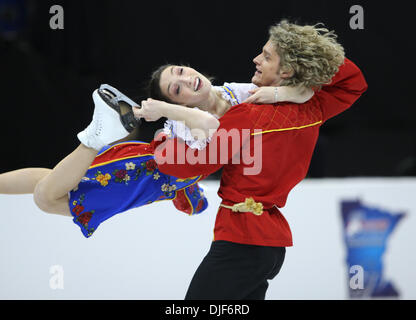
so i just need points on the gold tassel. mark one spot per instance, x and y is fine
(249, 205)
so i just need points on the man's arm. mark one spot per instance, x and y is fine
(174, 157)
(346, 87)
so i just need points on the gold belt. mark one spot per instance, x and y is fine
(249, 205)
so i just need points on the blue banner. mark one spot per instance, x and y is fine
(366, 232)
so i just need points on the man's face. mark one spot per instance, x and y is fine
(267, 67)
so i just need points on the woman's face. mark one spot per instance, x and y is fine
(184, 85)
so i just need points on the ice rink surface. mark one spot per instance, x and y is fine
(151, 253)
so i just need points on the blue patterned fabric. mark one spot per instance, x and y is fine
(118, 185)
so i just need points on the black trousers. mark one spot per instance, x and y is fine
(233, 271)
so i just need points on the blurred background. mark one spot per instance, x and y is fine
(360, 183)
(47, 76)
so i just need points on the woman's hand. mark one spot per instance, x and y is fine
(151, 110)
(262, 95)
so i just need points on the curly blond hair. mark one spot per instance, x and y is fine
(312, 52)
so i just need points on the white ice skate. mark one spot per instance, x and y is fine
(112, 120)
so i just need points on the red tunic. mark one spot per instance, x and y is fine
(288, 136)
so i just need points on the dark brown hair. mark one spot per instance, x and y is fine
(154, 90)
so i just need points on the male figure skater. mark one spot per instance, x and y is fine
(250, 233)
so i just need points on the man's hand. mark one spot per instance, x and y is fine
(262, 95)
(151, 110)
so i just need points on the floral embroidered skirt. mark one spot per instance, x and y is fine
(125, 176)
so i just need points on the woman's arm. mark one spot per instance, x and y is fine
(263, 95)
(201, 122)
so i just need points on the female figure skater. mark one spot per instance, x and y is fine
(97, 181)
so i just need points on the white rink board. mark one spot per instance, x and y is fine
(152, 252)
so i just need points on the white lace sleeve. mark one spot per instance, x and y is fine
(178, 129)
(241, 90)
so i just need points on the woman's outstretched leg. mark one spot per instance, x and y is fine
(24, 181)
(21, 181)
(51, 192)
(50, 186)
